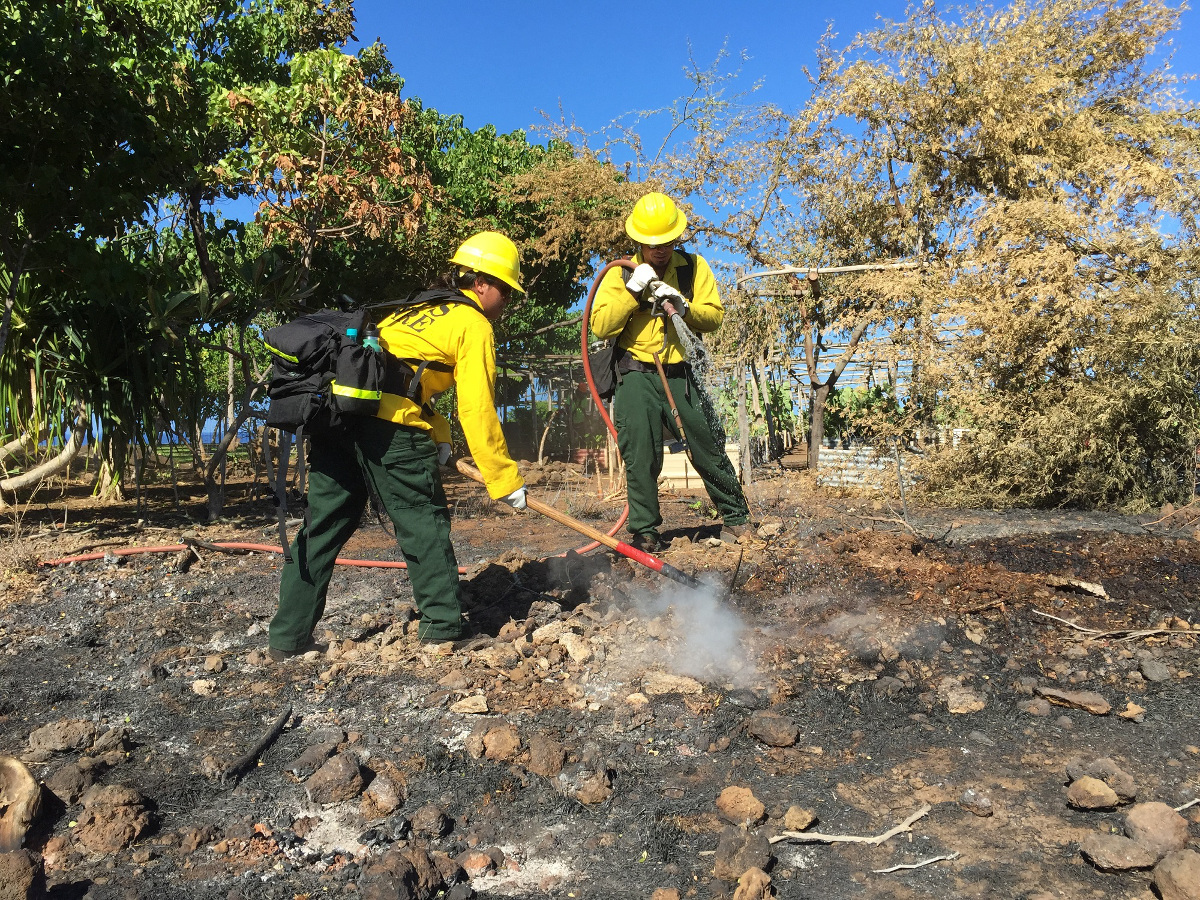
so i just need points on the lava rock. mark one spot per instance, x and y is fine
(429, 821)
(312, 758)
(338, 780)
(588, 786)
(114, 817)
(797, 818)
(21, 876)
(1157, 826)
(58, 737)
(391, 877)
(772, 729)
(546, 756)
(1177, 877)
(1114, 853)
(739, 850)
(1091, 793)
(68, 783)
(753, 884)
(976, 803)
(1153, 670)
(739, 806)
(1107, 771)
(1089, 701)
(502, 743)
(382, 797)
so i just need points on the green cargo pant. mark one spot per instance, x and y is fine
(400, 464)
(641, 410)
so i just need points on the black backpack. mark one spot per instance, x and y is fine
(603, 356)
(321, 379)
(319, 375)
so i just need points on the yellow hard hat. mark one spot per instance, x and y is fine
(493, 254)
(655, 220)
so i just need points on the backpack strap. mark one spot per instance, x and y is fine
(285, 451)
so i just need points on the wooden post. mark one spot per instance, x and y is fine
(743, 427)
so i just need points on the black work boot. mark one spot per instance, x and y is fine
(647, 542)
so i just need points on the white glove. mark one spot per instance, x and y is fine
(443, 454)
(663, 291)
(640, 277)
(516, 499)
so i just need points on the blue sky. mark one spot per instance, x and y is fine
(503, 63)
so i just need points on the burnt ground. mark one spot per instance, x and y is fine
(612, 707)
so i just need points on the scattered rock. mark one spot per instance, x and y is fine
(548, 634)
(663, 893)
(770, 529)
(21, 876)
(546, 756)
(429, 821)
(739, 850)
(474, 705)
(739, 806)
(1091, 793)
(68, 782)
(1039, 707)
(772, 729)
(797, 818)
(1158, 827)
(1133, 712)
(1107, 771)
(382, 797)
(338, 780)
(1114, 853)
(204, 687)
(1153, 670)
(753, 884)
(582, 783)
(476, 863)
(312, 758)
(959, 699)
(502, 743)
(114, 817)
(195, 838)
(214, 664)
(577, 647)
(58, 737)
(391, 877)
(655, 684)
(1177, 877)
(1088, 701)
(976, 803)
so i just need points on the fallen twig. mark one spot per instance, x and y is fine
(814, 837)
(1126, 634)
(918, 865)
(1187, 805)
(231, 772)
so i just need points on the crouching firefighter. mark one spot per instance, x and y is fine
(443, 337)
(653, 370)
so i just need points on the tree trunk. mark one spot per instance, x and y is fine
(51, 467)
(743, 427)
(816, 435)
(770, 416)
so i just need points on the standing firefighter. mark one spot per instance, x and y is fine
(630, 306)
(445, 335)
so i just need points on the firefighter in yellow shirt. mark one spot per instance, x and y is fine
(446, 336)
(628, 307)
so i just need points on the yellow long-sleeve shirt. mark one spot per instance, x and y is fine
(460, 337)
(615, 306)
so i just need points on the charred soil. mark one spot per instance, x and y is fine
(844, 670)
